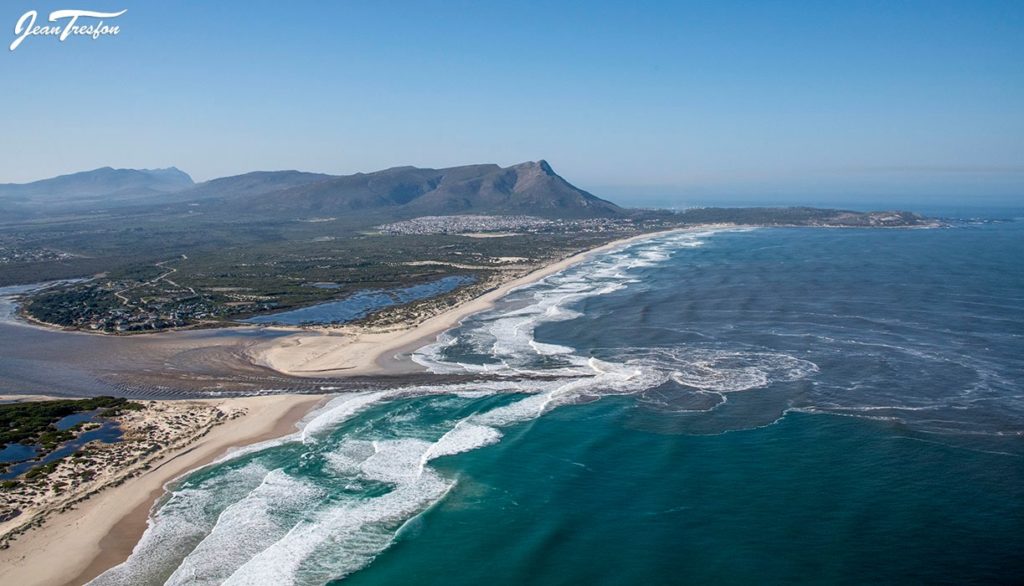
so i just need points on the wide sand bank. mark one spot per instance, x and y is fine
(77, 545)
(359, 351)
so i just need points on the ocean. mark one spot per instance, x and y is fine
(771, 406)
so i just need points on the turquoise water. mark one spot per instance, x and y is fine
(746, 406)
(813, 499)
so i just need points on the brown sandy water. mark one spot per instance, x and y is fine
(166, 365)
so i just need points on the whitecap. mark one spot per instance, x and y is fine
(285, 530)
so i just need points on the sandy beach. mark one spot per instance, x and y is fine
(77, 545)
(359, 351)
(101, 532)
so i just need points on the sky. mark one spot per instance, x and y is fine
(668, 102)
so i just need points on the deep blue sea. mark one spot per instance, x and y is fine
(765, 406)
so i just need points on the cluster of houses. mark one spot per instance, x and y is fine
(470, 224)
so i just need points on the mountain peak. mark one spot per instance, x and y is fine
(530, 188)
(540, 166)
(170, 173)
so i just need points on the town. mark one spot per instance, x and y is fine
(14, 254)
(503, 225)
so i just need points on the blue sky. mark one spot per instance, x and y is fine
(667, 101)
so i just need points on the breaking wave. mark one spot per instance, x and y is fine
(322, 503)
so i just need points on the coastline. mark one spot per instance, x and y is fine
(358, 352)
(21, 317)
(101, 532)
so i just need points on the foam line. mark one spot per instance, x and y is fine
(256, 524)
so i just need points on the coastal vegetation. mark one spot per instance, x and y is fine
(210, 288)
(34, 422)
(150, 431)
(156, 251)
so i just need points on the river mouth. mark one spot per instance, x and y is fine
(179, 364)
(164, 365)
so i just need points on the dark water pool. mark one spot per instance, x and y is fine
(360, 304)
(108, 432)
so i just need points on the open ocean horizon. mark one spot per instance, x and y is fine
(771, 406)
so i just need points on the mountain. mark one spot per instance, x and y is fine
(249, 184)
(531, 188)
(100, 183)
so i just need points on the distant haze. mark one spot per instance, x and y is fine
(672, 102)
(866, 189)
(530, 188)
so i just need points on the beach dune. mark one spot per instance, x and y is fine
(75, 546)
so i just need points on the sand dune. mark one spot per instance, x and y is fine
(77, 545)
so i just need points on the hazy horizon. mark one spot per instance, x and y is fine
(675, 197)
(668, 101)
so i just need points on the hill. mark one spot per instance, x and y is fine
(528, 188)
(531, 188)
(248, 185)
(98, 183)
